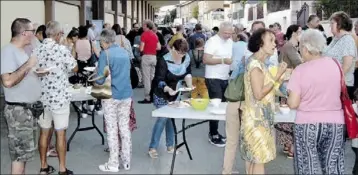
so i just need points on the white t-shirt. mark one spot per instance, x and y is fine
(219, 48)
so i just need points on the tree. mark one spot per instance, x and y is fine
(195, 12)
(173, 15)
(331, 6)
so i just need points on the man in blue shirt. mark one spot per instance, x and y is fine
(198, 34)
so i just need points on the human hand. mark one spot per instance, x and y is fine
(40, 72)
(281, 70)
(227, 61)
(170, 91)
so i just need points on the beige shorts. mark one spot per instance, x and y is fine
(59, 117)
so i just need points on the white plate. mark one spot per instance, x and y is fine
(90, 69)
(185, 89)
(45, 70)
(179, 104)
(218, 111)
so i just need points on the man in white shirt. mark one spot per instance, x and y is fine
(217, 58)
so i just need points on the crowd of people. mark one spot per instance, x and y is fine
(37, 96)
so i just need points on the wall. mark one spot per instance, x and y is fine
(10, 10)
(109, 18)
(66, 15)
(120, 21)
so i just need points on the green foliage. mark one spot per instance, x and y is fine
(331, 6)
(195, 12)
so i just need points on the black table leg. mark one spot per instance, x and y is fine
(94, 126)
(175, 147)
(184, 140)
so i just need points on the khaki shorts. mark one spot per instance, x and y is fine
(59, 117)
(22, 134)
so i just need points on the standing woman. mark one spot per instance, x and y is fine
(172, 68)
(289, 54)
(116, 109)
(343, 47)
(257, 122)
(319, 125)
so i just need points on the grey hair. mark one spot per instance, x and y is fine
(313, 40)
(225, 25)
(53, 28)
(108, 36)
(239, 26)
(19, 25)
(356, 23)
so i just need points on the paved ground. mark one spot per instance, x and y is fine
(87, 152)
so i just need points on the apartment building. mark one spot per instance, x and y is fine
(78, 12)
(185, 10)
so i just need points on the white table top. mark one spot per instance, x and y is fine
(190, 113)
(80, 94)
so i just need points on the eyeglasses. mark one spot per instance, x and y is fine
(33, 30)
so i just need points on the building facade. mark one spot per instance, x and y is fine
(75, 13)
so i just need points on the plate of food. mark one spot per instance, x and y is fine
(185, 89)
(44, 70)
(179, 104)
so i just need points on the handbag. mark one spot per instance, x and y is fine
(93, 59)
(348, 111)
(133, 72)
(103, 91)
(235, 91)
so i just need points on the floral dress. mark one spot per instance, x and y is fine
(257, 124)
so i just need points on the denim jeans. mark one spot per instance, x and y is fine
(159, 127)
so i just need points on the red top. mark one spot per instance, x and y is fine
(150, 40)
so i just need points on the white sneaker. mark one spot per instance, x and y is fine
(90, 107)
(107, 168)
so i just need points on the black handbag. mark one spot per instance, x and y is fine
(37, 109)
(134, 76)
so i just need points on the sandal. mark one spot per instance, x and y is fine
(170, 150)
(49, 170)
(153, 153)
(67, 172)
(286, 150)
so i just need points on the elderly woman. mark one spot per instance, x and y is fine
(257, 131)
(319, 125)
(343, 47)
(116, 109)
(122, 40)
(171, 69)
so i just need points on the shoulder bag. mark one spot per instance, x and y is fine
(235, 90)
(348, 111)
(103, 91)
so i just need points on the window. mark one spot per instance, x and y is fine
(277, 5)
(251, 14)
(260, 11)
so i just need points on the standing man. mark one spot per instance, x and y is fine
(132, 33)
(312, 22)
(21, 89)
(91, 34)
(148, 46)
(198, 33)
(217, 58)
(55, 96)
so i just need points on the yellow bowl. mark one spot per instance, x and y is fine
(199, 103)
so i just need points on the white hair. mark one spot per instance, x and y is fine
(108, 36)
(239, 26)
(225, 25)
(313, 40)
(53, 28)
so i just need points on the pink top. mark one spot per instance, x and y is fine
(318, 83)
(83, 49)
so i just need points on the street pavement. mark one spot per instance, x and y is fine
(87, 152)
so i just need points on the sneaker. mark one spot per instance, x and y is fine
(107, 168)
(170, 150)
(223, 138)
(216, 140)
